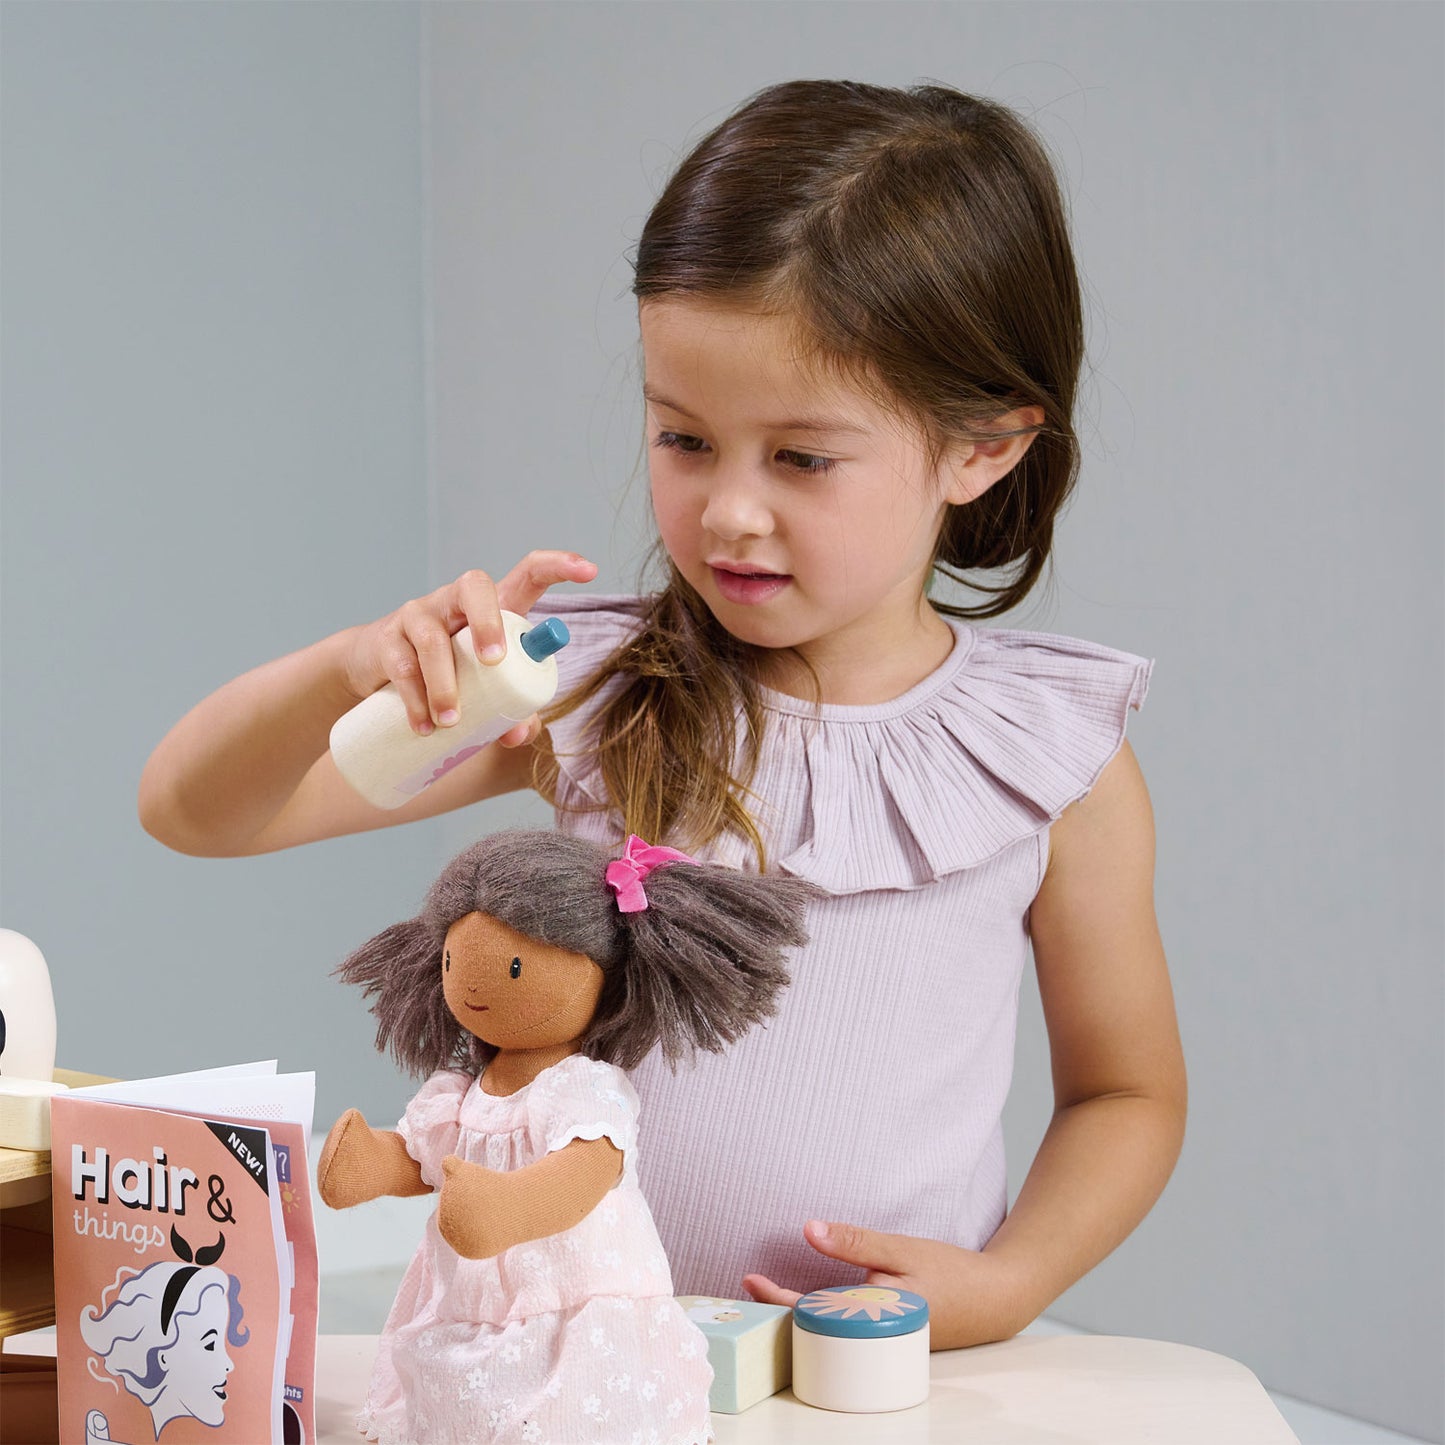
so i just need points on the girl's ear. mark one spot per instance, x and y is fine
(969, 469)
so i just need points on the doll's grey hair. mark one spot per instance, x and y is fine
(695, 969)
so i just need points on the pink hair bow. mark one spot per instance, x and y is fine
(625, 874)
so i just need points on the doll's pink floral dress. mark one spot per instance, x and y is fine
(573, 1337)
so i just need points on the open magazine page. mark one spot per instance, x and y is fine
(172, 1274)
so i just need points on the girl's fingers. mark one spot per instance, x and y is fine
(477, 601)
(412, 647)
(399, 660)
(433, 645)
(868, 1248)
(522, 588)
(762, 1289)
(522, 734)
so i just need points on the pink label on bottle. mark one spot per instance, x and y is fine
(424, 777)
(419, 781)
(449, 763)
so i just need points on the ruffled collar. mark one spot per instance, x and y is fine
(830, 712)
(983, 753)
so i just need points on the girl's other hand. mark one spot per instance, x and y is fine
(412, 646)
(972, 1298)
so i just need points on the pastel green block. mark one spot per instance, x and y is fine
(749, 1346)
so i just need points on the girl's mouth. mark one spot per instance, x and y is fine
(748, 587)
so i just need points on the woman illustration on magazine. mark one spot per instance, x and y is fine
(164, 1335)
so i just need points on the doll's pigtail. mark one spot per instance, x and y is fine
(400, 970)
(700, 965)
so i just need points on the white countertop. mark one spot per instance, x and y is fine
(1050, 1390)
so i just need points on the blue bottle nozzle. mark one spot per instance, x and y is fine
(545, 638)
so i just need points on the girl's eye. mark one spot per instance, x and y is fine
(516, 969)
(804, 462)
(677, 442)
(211, 1345)
(807, 462)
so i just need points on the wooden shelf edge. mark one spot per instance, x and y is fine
(27, 1289)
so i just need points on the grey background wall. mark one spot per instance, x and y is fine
(213, 444)
(307, 308)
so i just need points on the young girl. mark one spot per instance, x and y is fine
(862, 335)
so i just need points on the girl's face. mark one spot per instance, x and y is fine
(514, 992)
(804, 513)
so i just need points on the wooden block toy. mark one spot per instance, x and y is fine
(749, 1347)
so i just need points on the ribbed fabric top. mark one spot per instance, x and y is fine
(875, 1096)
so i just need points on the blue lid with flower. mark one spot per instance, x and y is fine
(861, 1312)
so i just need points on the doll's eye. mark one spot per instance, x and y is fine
(516, 969)
(447, 964)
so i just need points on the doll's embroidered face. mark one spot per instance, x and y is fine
(515, 992)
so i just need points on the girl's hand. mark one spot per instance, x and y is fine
(412, 648)
(972, 1299)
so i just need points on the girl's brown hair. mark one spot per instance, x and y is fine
(918, 242)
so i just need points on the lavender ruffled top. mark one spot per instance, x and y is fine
(875, 1096)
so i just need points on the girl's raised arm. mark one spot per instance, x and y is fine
(248, 769)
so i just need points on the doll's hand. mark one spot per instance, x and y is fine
(412, 647)
(360, 1163)
(464, 1211)
(972, 1299)
(343, 1175)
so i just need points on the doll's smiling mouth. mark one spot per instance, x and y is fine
(478, 1008)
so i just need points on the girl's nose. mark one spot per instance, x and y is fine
(736, 507)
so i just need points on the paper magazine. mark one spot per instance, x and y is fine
(185, 1259)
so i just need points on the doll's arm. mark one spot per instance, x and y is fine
(484, 1211)
(360, 1163)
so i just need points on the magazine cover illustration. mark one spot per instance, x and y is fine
(172, 1277)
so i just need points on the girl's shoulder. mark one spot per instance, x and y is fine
(985, 752)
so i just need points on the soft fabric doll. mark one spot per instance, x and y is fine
(539, 1305)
